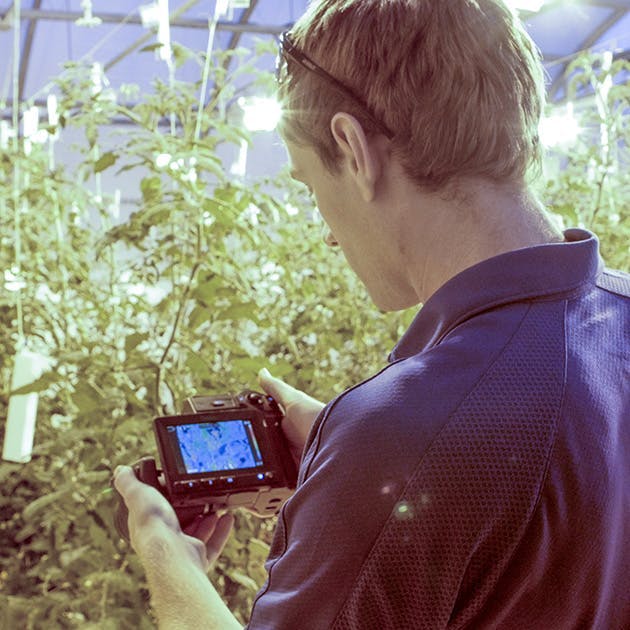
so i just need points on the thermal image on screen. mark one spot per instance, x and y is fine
(208, 447)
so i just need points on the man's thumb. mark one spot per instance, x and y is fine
(124, 477)
(273, 386)
(266, 381)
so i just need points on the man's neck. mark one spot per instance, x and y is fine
(477, 222)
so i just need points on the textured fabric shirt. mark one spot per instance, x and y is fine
(481, 479)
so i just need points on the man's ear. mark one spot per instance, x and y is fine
(360, 155)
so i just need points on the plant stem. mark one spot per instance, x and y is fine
(174, 331)
(600, 193)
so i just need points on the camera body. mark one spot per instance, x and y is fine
(223, 452)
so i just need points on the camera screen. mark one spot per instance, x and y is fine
(215, 446)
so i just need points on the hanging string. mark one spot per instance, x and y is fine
(219, 9)
(17, 271)
(171, 82)
(16, 71)
(166, 51)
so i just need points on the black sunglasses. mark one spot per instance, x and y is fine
(289, 52)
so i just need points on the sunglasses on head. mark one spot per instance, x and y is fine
(289, 52)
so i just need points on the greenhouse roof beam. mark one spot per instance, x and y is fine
(26, 51)
(245, 21)
(233, 43)
(606, 4)
(118, 18)
(590, 41)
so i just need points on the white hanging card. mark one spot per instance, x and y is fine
(20, 427)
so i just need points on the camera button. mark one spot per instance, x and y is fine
(255, 399)
(258, 479)
(273, 405)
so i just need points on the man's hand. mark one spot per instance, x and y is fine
(176, 561)
(300, 408)
(152, 520)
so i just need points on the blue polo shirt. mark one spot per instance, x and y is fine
(482, 478)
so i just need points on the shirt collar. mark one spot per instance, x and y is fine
(542, 270)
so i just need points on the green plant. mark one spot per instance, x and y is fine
(588, 182)
(206, 282)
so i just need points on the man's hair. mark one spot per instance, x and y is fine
(458, 82)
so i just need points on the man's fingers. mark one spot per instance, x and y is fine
(273, 386)
(149, 512)
(211, 527)
(142, 500)
(202, 526)
(287, 395)
(207, 527)
(213, 531)
(220, 535)
(132, 490)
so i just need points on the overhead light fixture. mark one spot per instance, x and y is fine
(533, 6)
(156, 16)
(88, 18)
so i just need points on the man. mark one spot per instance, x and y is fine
(480, 479)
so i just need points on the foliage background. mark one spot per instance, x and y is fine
(587, 183)
(205, 283)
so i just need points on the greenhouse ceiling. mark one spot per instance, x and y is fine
(110, 32)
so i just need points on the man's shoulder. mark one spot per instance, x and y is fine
(401, 409)
(507, 358)
(432, 381)
(615, 281)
